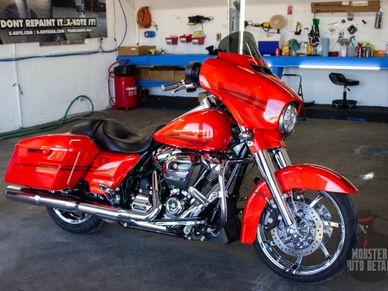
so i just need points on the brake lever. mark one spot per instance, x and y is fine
(179, 89)
(172, 86)
(190, 87)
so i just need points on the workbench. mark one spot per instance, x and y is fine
(277, 64)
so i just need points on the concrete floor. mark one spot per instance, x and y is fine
(36, 255)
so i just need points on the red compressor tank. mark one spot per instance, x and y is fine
(125, 87)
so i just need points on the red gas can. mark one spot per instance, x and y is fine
(126, 92)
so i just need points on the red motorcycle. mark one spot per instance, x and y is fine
(184, 180)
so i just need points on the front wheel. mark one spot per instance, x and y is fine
(319, 244)
(74, 221)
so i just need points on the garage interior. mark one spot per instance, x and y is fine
(48, 89)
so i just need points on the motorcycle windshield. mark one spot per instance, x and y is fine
(240, 42)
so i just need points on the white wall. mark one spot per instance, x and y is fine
(49, 85)
(171, 17)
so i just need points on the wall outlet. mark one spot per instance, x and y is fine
(218, 36)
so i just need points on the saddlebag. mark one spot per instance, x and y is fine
(51, 162)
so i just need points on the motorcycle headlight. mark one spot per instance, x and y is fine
(288, 120)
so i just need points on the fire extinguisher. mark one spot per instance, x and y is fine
(125, 86)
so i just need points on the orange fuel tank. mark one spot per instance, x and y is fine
(202, 130)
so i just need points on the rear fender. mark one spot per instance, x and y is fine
(308, 177)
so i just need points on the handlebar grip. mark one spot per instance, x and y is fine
(171, 86)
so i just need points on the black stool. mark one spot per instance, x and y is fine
(341, 80)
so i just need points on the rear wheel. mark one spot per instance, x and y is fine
(74, 221)
(317, 249)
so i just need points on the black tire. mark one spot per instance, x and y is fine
(347, 208)
(89, 225)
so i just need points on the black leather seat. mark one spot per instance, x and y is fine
(112, 135)
(340, 79)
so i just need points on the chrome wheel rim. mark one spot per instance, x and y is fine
(72, 217)
(292, 261)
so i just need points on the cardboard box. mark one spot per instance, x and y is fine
(162, 74)
(135, 50)
(179, 74)
(143, 74)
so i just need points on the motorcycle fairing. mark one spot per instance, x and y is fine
(308, 177)
(255, 98)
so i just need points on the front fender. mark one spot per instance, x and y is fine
(308, 177)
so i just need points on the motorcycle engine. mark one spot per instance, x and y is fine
(188, 179)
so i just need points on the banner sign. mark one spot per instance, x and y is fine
(51, 21)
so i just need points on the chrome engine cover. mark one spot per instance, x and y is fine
(141, 203)
(173, 206)
(178, 168)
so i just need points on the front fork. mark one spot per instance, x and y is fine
(267, 170)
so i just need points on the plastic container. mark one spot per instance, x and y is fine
(185, 38)
(172, 40)
(352, 51)
(198, 40)
(379, 53)
(343, 51)
(386, 49)
(325, 47)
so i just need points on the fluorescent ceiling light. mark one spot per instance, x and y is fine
(365, 68)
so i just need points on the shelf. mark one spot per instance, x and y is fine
(179, 60)
(277, 64)
(333, 7)
(151, 83)
(370, 64)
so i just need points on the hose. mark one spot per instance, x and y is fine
(144, 18)
(52, 125)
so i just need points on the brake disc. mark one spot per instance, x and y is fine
(308, 237)
(325, 215)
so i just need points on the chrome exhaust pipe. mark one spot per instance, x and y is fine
(42, 198)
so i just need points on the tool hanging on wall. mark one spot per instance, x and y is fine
(379, 18)
(144, 18)
(265, 25)
(289, 16)
(298, 29)
(149, 34)
(199, 19)
(352, 29)
(144, 21)
(276, 22)
(314, 36)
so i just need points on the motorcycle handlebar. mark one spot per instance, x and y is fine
(171, 86)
